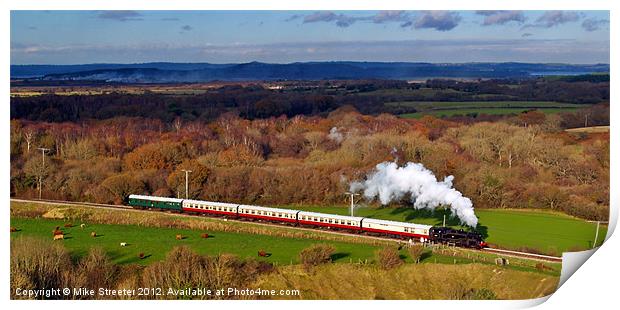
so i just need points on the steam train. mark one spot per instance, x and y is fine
(401, 230)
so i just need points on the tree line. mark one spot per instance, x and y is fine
(253, 101)
(524, 161)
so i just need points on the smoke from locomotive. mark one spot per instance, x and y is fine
(391, 183)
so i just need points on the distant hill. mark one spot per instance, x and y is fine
(163, 72)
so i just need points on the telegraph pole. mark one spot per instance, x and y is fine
(186, 182)
(352, 205)
(43, 150)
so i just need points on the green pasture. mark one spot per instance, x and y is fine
(436, 105)
(480, 111)
(547, 232)
(156, 242)
(448, 108)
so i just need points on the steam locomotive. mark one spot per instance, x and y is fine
(401, 230)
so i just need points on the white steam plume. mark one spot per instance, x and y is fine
(390, 182)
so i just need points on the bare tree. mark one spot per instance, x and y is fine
(28, 135)
(177, 124)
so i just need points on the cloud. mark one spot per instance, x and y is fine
(293, 17)
(527, 34)
(501, 17)
(554, 18)
(438, 20)
(391, 16)
(186, 28)
(121, 16)
(169, 19)
(32, 28)
(342, 20)
(592, 24)
(321, 16)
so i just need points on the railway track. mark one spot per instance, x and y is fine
(502, 252)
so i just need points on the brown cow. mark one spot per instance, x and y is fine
(179, 237)
(58, 237)
(204, 236)
(93, 234)
(58, 232)
(68, 225)
(13, 229)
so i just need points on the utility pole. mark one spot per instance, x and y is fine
(43, 150)
(352, 205)
(186, 182)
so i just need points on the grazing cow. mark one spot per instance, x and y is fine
(204, 236)
(179, 237)
(262, 253)
(82, 226)
(13, 229)
(123, 243)
(58, 237)
(501, 261)
(93, 234)
(141, 255)
(57, 232)
(68, 225)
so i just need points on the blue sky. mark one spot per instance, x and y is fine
(70, 37)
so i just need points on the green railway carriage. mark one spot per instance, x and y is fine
(156, 202)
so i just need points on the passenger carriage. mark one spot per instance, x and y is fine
(271, 214)
(400, 229)
(211, 207)
(329, 220)
(163, 203)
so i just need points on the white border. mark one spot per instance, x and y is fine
(594, 285)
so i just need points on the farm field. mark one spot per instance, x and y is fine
(546, 232)
(488, 111)
(156, 242)
(439, 105)
(446, 109)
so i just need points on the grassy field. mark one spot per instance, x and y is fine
(547, 232)
(423, 281)
(446, 109)
(156, 242)
(437, 105)
(480, 111)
